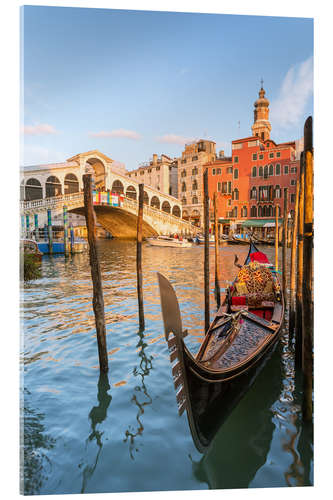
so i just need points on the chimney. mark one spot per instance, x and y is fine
(154, 159)
(221, 153)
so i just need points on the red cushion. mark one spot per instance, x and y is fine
(238, 301)
(259, 257)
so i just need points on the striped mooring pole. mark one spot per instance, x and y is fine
(65, 214)
(36, 226)
(49, 230)
(27, 225)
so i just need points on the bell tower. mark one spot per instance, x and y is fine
(261, 126)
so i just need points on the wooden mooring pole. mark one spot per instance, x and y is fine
(276, 237)
(216, 236)
(299, 281)
(307, 323)
(206, 257)
(98, 300)
(139, 258)
(292, 304)
(284, 244)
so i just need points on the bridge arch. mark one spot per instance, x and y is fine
(117, 187)
(155, 202)
(185, 215)
(195, 217)
(131, 192)
(53, 186)
(33, 190)
(71, 184)
(166, 207)
(99, 170)
(145, 198)
(176, 211)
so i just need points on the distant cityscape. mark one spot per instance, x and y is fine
(249, 184)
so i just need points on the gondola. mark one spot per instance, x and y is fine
(236, 346)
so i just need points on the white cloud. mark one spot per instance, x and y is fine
(127, 134)
(41, 129)
(38, 155)
(174, 139)
(296, 89)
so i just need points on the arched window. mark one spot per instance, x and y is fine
(278, 169)
(235, 212)
(52, 186)
(254, 211)
(254, 171)
(253, 193)
(71, 184)
(195, 171)
(155, 202)
(183, 187)
(261, 171)
(277, 191)
(260, 211)
(117, 187)
(176, 211)
(235, 194)
(270, 211)
(194, 200)
(265, 171)
(183, 200)
(236, 173)
(183, 173)
(271, 170)
(33, 190)
(166, 207)
(131, 192)
(244, 212)
(194, 185)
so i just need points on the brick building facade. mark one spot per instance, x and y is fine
(251, 183)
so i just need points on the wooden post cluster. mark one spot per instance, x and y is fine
(216, 236)
(98, 300)
(285, 243)
(206, 258)
(299, 281)
(293, 265)
(277, 237)
(307, 323)
(139, 258)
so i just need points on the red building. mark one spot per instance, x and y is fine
(251, 183)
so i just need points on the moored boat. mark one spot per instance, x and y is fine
(238, 343)
(166, 241)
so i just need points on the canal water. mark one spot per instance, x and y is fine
(121, 433)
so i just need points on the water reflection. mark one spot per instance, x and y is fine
(241, 445)
(35, 465)
(144, 368)
(97, 415)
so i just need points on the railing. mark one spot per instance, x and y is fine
(127, 203)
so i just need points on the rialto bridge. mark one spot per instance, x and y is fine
(54, 186)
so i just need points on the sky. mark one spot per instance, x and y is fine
(134, 83)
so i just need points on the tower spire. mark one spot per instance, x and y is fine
(261, 126)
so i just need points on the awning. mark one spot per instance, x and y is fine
(224, 221)
(260, 223)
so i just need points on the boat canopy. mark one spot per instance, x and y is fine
(260, 223)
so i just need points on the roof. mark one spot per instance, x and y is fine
(90, 153)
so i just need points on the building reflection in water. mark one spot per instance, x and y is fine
(144, 368)
(97, 415)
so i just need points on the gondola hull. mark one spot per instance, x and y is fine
(235, 348)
